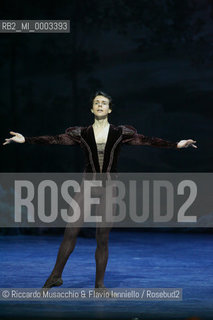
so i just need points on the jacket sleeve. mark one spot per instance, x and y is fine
(72, 136)
(131, 137)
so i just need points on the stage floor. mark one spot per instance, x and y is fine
(136, 260)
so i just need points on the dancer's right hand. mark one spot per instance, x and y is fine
(17, 138)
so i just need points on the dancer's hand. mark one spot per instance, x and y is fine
(17, 138)
(186, 143)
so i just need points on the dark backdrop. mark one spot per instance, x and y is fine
(153, 56)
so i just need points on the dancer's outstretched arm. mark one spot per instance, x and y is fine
(68, 138)
(131, 137)
(140, 139)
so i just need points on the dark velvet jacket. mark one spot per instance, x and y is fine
(117, 136)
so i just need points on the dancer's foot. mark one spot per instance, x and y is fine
(103, 291)
(52, 281)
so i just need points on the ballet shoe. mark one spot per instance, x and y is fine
(52, 282)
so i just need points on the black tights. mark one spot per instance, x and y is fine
(101, 254)
(70, 236)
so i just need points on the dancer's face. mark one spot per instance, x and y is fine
(100, 107)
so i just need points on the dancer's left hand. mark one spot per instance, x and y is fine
(186, 143)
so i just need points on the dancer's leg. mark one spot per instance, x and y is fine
(101, 255)
(67, 246)
(102, 236)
